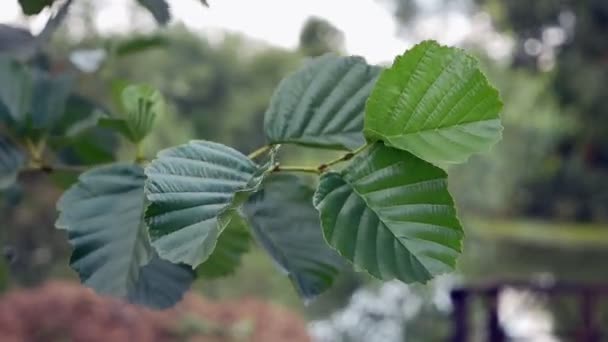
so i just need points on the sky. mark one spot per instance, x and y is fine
(369, 28)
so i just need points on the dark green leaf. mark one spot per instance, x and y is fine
(31, 7)
(50, 95)
(161, 284)
(102, 214)
(15, 91)
(287, 226)
(140, 44)
(159, 9)
(391, 214)
(193, 190)
(322, 104)
(231, 245)
(12, 160)
(117, 125)
(80, 115)
(435, 103)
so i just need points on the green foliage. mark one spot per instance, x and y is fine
(142, 230)
(298, 249)
(11, 161)
(391, 214)
(103, 215)
(193, 191)
(322, 104)
(231, 246)
(436, 103)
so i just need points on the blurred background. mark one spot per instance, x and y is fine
(535, 209)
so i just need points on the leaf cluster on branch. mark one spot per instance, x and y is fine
(144, 230)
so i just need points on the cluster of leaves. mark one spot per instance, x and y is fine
(144, 230)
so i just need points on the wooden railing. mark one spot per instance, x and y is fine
(588, 303)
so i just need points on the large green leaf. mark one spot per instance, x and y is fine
(193, 191)
(142, 104)
(15, 91)
(436, 103)
(391, 214)
(322, 104)
(102, 214)
(231, 245)
(287, 226)
(12, 160)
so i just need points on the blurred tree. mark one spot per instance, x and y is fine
(569, 37)
(319, 36)
(564, 43)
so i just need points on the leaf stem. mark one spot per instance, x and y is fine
(46, 168)
(259, 151)
(345, 157)
(290, 168)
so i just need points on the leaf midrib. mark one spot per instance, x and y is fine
(364, 199)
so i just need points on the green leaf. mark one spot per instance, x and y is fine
(231, 245)
(142, 104)
(50, 95)
(139, 44)
(435, 103)
(31, 7)
(322, 104)
(161, 284)
(159, 9)
(102, 214)
(391, 214)
(193, 190)
(15, 91)
(287, 226)
(118, 125)
(80, 115)
(12, 160)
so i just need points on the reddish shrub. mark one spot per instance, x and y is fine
(62, 311)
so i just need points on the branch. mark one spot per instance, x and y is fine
(259, 151)
(345, 157)
(288, 168)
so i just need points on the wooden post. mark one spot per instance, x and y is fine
(494, 329)
(460, 315)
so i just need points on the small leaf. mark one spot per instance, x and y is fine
(435, 103)
(193, 189)
(15, 91)
(142, 104)
(287, 226)
(102, 214)
(12, 160)
(231, 245)
(159, 9)
(391, 214)
(50, 95)
(322, 104)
